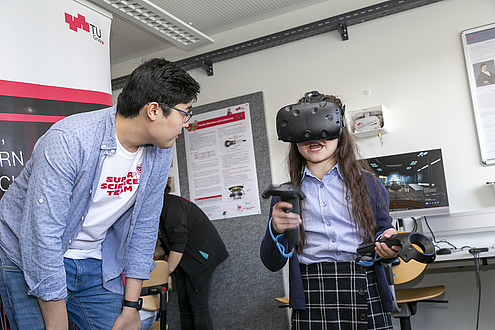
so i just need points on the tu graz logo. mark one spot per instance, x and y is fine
(79, 22)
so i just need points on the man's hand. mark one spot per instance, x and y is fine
(54, 314)
(128, 320)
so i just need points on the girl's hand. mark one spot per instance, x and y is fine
(282, 220)
(385, 252)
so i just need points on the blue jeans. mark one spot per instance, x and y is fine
(22, 310)
(148, 320)
(89, 305)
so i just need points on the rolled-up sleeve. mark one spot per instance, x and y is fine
(47, 205)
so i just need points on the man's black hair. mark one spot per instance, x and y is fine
(156, 80)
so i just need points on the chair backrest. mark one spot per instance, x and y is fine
(401, 272)
(407, 271)
(158, 276)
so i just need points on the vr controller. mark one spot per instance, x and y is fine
(406, 241)
(314, 119)
(291, 194)
(370, 247)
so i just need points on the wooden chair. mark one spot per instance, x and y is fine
(284, 301)
(154, 293)
(406, 300)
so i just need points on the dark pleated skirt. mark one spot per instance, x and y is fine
(340, 295)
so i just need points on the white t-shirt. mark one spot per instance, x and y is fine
(116, 193)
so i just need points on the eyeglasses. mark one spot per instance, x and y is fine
(187, 114)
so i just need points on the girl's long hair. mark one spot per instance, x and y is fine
(355, 185)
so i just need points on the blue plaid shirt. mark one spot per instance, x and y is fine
(43, 210)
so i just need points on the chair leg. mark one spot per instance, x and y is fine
(163, 309)
(405, 323)
(404, 314)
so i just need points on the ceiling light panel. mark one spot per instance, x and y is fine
(158, 22)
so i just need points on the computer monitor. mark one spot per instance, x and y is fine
(415, 182)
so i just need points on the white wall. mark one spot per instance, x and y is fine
(412, 62)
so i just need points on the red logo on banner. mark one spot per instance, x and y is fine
(79, 22)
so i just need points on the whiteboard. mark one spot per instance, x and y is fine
(479, 53)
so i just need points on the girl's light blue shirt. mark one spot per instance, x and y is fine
(330, 231)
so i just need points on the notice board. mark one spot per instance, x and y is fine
(243, 291)
(479, 53)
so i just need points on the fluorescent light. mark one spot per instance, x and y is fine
(158, 21)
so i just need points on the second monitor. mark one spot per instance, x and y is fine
(415, 182)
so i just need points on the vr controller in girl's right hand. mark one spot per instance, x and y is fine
(291, 194)
(370, 247)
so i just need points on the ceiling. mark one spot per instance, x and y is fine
(128, 40)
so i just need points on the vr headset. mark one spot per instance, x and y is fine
(314, 119)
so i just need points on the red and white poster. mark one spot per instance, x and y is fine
(220, 163)
(55, 61)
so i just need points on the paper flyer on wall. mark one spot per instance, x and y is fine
(173, 173)
(220, 163)
(479, 52)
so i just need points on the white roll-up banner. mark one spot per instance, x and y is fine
(54, 62)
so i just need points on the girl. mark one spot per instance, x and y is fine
(344, 207)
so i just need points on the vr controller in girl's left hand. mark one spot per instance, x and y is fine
(291, 194)
(370, 247)
(413, 246)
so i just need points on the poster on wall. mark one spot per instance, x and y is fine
(173, 173)
(220, 163)
(54, 62)
(479, 53)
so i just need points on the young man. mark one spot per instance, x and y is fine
(84, 212)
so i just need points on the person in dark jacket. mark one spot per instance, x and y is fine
(194, 250)
(345, 206)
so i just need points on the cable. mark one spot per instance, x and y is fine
(434, 238)
(431, 231)
(476, 255)
(415, 228)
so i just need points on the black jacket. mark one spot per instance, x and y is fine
(186, 229)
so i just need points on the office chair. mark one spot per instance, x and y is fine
(406, 300)
(284, 301)
(154, 293)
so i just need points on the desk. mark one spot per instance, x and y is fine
(461, 259)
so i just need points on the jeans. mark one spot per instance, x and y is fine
(89, 305)
(22, 310)
(147, 319)
(193, 304)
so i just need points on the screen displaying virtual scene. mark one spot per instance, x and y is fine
(414, 181)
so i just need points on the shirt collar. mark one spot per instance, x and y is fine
(336, 167)
(109, 138)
